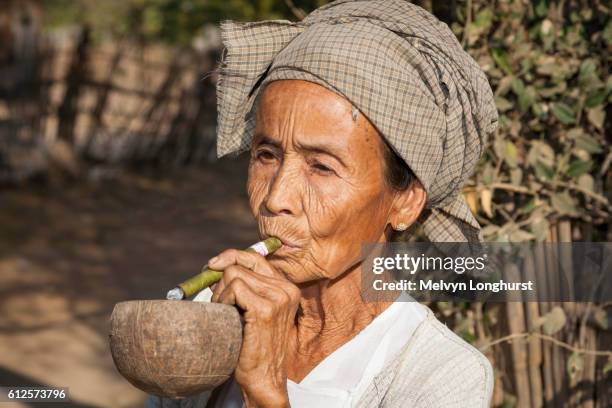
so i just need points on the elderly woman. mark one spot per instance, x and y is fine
(363, 119)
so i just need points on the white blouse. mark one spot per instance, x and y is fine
(341, 378)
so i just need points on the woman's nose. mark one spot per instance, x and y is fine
(284, 192)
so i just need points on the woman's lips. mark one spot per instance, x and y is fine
(287, 245)
(285, 249)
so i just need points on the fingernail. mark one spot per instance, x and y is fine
(213, 260)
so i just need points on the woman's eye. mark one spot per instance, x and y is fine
(265, 155)
(322, 168)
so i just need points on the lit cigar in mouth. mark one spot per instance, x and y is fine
(209, 276)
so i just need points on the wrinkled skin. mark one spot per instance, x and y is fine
(316, 180)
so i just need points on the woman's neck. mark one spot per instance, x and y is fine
(331, 313)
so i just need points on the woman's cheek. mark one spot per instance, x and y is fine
(256, 191)
(330, 218)
(322, 208)
(257, 186)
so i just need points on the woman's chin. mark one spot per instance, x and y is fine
(288, 266)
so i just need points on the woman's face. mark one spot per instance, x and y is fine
(316, 180)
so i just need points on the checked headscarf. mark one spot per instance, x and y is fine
(399, 65)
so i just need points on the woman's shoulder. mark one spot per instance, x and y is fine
(437, 367)
(442, 343)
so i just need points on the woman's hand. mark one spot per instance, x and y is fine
(270, 302)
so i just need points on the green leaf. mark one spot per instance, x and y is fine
(579, 167)
(563, 203)
(601, 317)
(587, 182)
(503, 104)
(574, 133)
(472, 33)
(553, 91)
(516, 176)
(518, 86)
(511, 154)
(540, 227)
(499, 145)
(484, 18)
(469, 337)
(597, 116)
(541, 8)
(488, 174)
(575, 364)
(564, 113)
(586, 14)
(552, 321)
(607, 33)
(587, 77)
(528, 99)
(538, 110)
(541, 152)
(501, 59)
(505, 84)
(562, 163)
(588, 68)
(581, 154)
(524, 95)
(588, 143)
(595, 98)
(543, 171)
(528, 207)
(547, 65)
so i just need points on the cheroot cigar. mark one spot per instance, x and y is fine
(209, 277)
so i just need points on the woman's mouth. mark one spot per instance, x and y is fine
(286, 245)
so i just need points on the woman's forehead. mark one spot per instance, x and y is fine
(305, 110)
(278, 94)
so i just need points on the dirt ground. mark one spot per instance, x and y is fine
(68, 254)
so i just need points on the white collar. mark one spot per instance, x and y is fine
(341, 378)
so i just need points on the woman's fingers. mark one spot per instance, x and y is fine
(250, 260)
(240, 293)
(257, 273)
(270, 302)
(264, 286)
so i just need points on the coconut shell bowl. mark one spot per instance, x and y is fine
(173, 348)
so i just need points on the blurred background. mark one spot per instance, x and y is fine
(110, 188)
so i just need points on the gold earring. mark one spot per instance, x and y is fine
(401, 226)
(354, 113)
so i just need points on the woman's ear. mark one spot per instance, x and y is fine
(407, 206)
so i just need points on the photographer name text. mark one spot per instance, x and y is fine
(440, 285)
